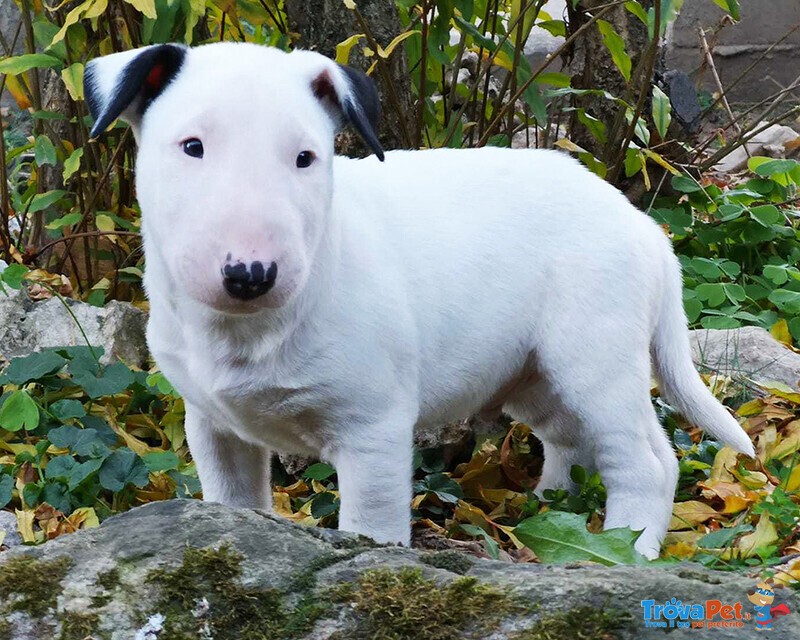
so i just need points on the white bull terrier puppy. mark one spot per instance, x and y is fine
(314, 304)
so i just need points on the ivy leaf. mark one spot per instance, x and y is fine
(161, 461)
(19, 411)
(82, 471)
(441, 485)
(60, 468)
(121, 468)
(55, 494)
(65, 409)
(33, 367)
(559, 537)
(6, 486)
(324, 504)
(108, 381)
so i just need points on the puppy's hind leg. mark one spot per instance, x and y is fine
(558, 431)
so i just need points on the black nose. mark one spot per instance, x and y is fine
(246, 282)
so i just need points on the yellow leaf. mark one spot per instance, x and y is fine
(789, 443)
(736, 504)
(104, 222)
(16, 86)
(146, 7)
(751, 408)
(780, 331)
(659, 160)
(2, 537)
(686, 515)
(781, 390)
(723, 461)
(96, 10)
(73, 80)
(84, 518)
(385, 53)
(751, 479)
(349, 4)
(793, 481)
(343, 48)
(764, 535)
(72, 18)
(25, 524)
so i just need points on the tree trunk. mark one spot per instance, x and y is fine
(593, 68)
(322, 24)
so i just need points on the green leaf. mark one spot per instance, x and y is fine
(685, 184)
(616, 47)
(492, 548)
(767, 214)
(19, 411)
(35, 366)
(774, 167)
(31, 493)
(319, 471)
(785, 300)
(559, 537)
(60, 467)
(121, 468)
(441, 485)
(6, 487)
(731, 6)
(19, 64)
(65, 221)
(72, 164)
(636, 9)
(43, 200)
(44, 151)
(13, 274)
(722, 537)
(712, 293)
(81, 472)
(55, 494)
(324, 504)
(161, 461)
(662, 112)
(65, 409)
(110, 380)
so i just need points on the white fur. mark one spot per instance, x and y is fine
(410, 292)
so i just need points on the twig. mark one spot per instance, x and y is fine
(717, 81)
(83, 234)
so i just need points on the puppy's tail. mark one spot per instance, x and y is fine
(680, 382)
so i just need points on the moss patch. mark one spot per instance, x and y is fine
(581, 623)
(404, 605)
(451, 560)
(107, 582)
(31, 586)
(233, 611)
(77, 626)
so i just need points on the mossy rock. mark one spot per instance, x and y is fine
(196, 570)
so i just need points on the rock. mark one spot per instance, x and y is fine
(748, 352)
(772, 141)
(27, 326)
(190, 569)
(8, 525)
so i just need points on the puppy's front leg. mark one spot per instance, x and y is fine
(375, 475)
(231, 471)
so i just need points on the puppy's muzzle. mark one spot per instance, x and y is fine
(245, 282)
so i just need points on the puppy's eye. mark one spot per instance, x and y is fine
(192, 147)
(304, 159)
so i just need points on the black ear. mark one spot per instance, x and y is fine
(123, 85)
(355, 95)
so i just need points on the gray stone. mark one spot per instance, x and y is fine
(771, 142)
(307, 563)
(746, 353)
(8, 525)
(27, 325)
(738, 46)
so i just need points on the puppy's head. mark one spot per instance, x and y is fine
(234, 168)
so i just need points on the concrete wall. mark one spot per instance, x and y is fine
(763, 22)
